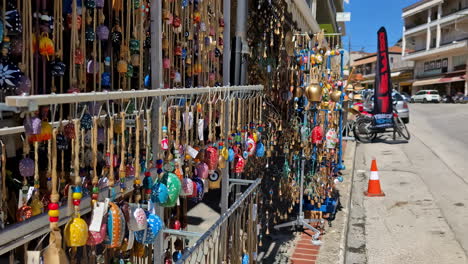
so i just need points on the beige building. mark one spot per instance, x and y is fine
(401, 71)
(436, 32)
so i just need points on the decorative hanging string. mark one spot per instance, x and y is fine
(94, 142)
(111, 152)
(122, 169)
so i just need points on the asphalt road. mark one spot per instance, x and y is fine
(424, 216)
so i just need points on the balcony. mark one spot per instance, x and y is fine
(447, 18)
(460, 45)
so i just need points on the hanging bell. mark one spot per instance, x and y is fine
(314, 92)
(336, 96)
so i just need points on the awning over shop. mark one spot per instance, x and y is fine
(426, 82)
(448, 78)
(364, 61)
(395, 74)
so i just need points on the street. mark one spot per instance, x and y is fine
(423, 217)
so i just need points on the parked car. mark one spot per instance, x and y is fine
(406, 97)
(399, 103)
(426, 96)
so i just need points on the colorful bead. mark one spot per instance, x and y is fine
(53, 219)
(95, 196)
(54, 213)
(137, 181)
(53, 206)
(77, 195)
(95, 189)
(76, 202)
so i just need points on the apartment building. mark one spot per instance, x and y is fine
(401, 71)
(436, 34)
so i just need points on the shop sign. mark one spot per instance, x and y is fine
(440, 65)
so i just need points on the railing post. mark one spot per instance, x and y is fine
(156, 82)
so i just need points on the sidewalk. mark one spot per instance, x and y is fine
(333, 247)
(407, 225)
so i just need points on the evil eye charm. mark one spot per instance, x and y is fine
(184, 53)
(245, 154)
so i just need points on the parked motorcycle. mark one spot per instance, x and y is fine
(448, 99)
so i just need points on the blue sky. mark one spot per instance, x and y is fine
(367, 16)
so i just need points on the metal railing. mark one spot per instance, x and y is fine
(233, 237)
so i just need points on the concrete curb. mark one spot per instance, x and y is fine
(334, 240)
(344, 235)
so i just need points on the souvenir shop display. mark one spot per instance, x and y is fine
(113, 164)
(303, 80)
(192, 43)
(74, 46)
(100, 159)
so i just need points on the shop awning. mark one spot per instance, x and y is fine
(364, 61)
(445, 79)
(395, 74)
(426, 82)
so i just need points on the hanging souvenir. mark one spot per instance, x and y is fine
(159, 193)
(317, 135)
(46, 46)
(332, 139)
(202, 170)
(239, 164)
(13, 21)
(116, 36)
(57, 68)
(173, 187)
(115, 226)
(9, 74)
(76, 232)
(211, 159)
(214, 180)
(86, 121)
(97, 237)
(187, 187)
(149, 235)
(70, 19)
(26, 167)
(102, 32)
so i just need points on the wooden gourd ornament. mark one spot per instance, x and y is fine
(54, 252)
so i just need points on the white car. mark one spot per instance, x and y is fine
(425, 96)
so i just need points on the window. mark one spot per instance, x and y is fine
(432, 92)
(397, 97)
(391, 60)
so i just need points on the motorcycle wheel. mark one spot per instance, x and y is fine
(362, 129)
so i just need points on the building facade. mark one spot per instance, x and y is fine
(401, 70)
(436, 33)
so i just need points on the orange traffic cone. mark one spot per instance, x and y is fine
(373, 188)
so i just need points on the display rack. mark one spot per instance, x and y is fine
(21, 233)
(53, 99)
